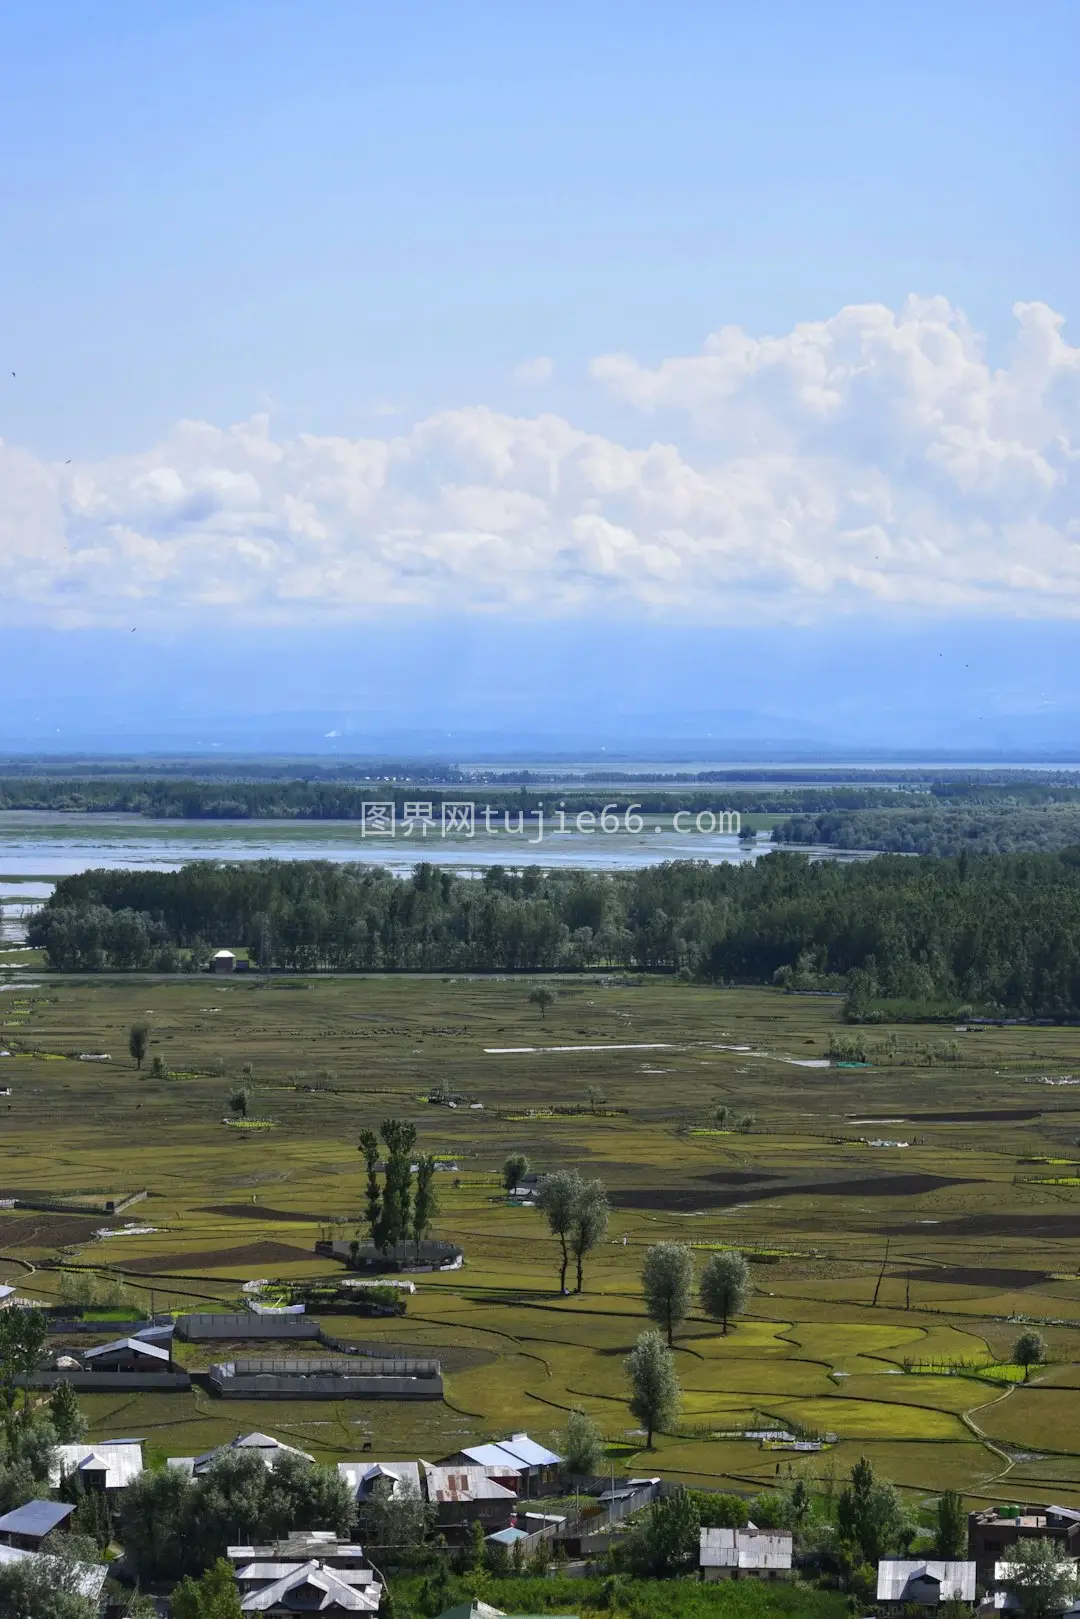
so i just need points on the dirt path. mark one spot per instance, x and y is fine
(968, 1419)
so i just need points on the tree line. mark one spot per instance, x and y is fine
(998, 932)
(942, 828)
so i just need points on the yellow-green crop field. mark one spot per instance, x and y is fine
(898, 1233)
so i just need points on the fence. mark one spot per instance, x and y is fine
(606, 1516)
(244, 1325)
(110, 1382)
(331, 1377)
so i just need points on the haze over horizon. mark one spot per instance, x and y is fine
(540, 378)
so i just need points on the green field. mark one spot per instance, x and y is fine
(978, 1234)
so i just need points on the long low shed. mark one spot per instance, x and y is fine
(337, 1377)
(234, 1328)
(110, 1382)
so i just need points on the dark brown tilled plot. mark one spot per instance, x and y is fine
(1026, 1227)
(678, 1200)
(254, 1253)
(1000, 1279)
(258, 1211)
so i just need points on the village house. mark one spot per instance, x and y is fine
(128, 1355)
(462, 1496)
(108, 1466)
(536, 1467)
(992, 1531)
(364, 1478)
(732, 1554)
(310, 1571)
(263, 1445)
(27, 1526)
(90, 1577)
(927, 1582)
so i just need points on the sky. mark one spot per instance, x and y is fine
(749, 329)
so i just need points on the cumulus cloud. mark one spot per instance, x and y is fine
(874, 458)
(530, 372)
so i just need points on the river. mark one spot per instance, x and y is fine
(37, 847)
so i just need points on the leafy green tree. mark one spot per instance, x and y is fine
(1029, 1350)
(654, 1387)
(514, 1170)
(23, 1334)
(543, 997)
(725, 1286)
(48, 1586)
(396, 1518)
(583, 1443)
(425, 1199)
(588, 1222)
(395, 1222)
(68, 1421)
(870, 1515)
(153, 1516)
(558, 1197)
(138, 1040)
(722, 1510)
(240, 1101)
(159, 1068)
(667, 1281)
(668, 1536)
(951, 1531)
(369, 1146)
(1041, 1578)
(215, 1596)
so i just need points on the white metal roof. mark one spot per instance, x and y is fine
(121, 1460)
(901, 1579)
(138, 1346)
(518, 1451)
(745, 1548)
(337, 1595)
(263, 1444)
(362, 1477)
(91, 1576)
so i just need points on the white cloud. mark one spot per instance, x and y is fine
(873, 458)
(533, 371)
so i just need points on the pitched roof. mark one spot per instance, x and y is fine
(745, 1548)
(337, 1595)
(35, 1518)
(456, 1483)
(138, 1346)
(518, 1451)
(263, 1444)
(120, 1460)
(899, 1579)
(362, 1477)
(91, 1576)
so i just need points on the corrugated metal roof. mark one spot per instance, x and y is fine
(35, 1518)
(90, 1576)
(456, 1483)
(745, 1549)
(528, 1451)
(337, 1594)
(903, 1579)
(362, 1477)
(121, 1461)
(138, 1346)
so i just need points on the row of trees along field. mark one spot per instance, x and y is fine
(179, 799)
(1000, 932)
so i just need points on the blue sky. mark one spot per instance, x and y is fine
(438, 283)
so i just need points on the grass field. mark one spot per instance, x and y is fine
(978, 1234)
